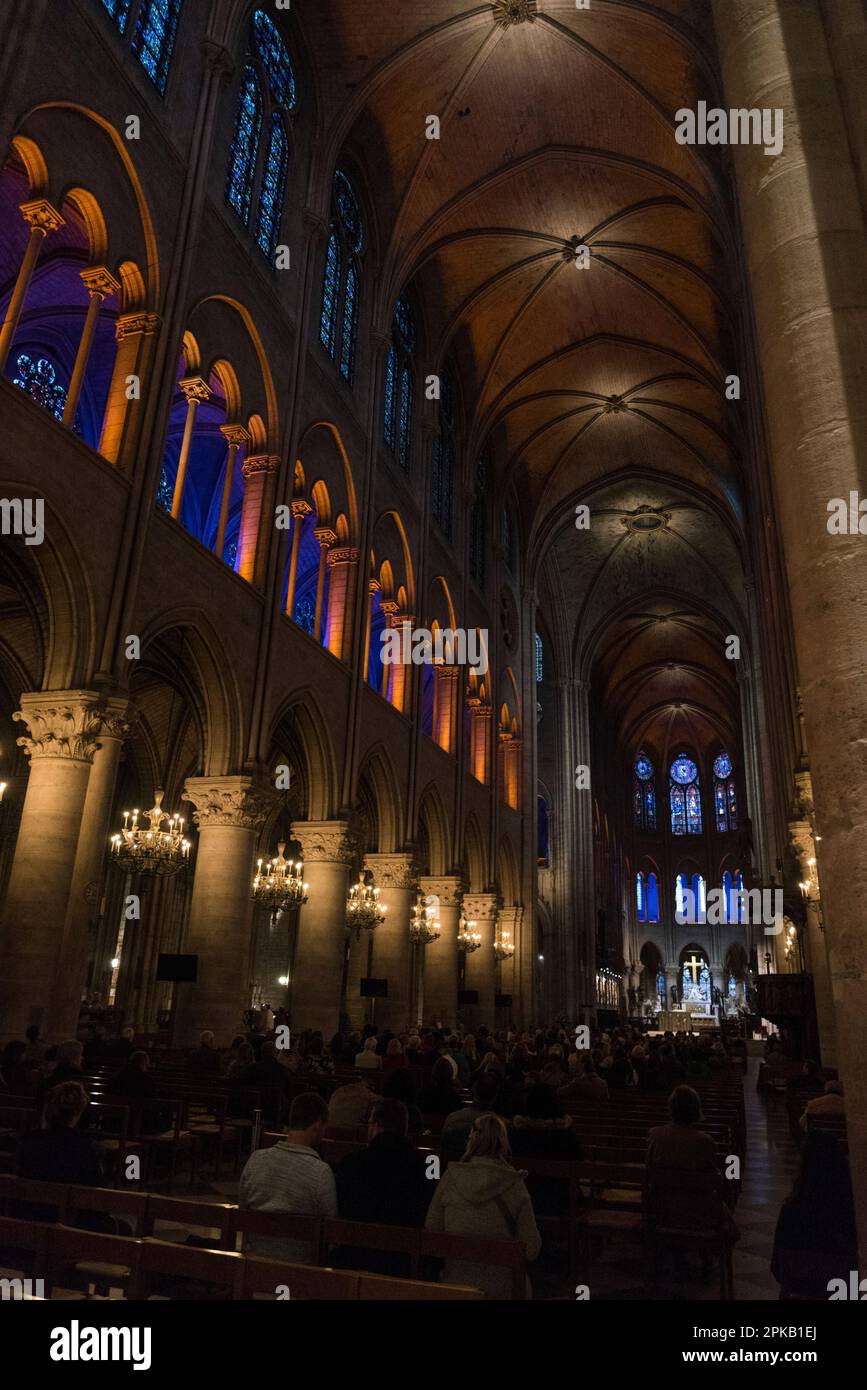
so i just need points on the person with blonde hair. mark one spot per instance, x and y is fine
(368, 1059)
(483, 1195)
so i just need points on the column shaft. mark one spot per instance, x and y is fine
(395, 876)
(318, 972)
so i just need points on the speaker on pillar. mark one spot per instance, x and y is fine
(468, 996)
(374, 989)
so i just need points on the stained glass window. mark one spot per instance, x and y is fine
(390, 393)
(405, 425)
(733, 886)
(273, 188)
(507, 536)
(733, 987)
(154, 38)
(652, 898)
(724, 794)
(685, 797)
(443, 462)
(38, 377)
(641, 908)
(330, 294)
(397, 412)
(350, 325)
(478, 538)
(166, 490)
(305, 614)
(274, 58)
(245, 146)
(230, 555)
(539, 665)
(119, 11)
(338, 326)
(644, 794)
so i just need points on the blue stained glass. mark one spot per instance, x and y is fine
(722, 767)
(639, 895)
(350, 323)
(637, 806)
(39, 379)
(405, 423)
(349, 211)
(405, 323)
(230, 555)
(273, 189)
(390, 396)
(275, 60)
(650, 807)
(539, 664)
(643, 767)
(245, 146)
(330, 290)
(693, 810)
(678, 811)
(166, 490)
(683, 770)
(119, 11)
(652, 899)
(719, 799)
(154, 38)
(733, 987)
(733, 806)
(305, 614)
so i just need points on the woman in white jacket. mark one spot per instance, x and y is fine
(483, 1195)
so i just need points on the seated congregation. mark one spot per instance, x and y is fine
(432, 1164)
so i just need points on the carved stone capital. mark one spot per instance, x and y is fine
(449, 890)
(139, 321)
(481, 907)
(342, 555)
(99, 282)
(235, 434)
(62, 723)
(300, 508)
(40, 215)
(218, 59)
(393, 870)
(325, 536)
(325, 841)
(242, 802)
(194, 388)
(258, 464)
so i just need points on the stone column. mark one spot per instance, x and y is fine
(64, 731)
(236, 437)
(259, 472)
(803, 227)
(41, 218)
(300, 510)
(327, 850)
(325, 538)
(396, 876)
(803, 844)
(136, 335)
(446, 704)
(342, 585)
(440, 998)
(89, 871)
(195, 390)
(481, 971)
(230, 811)
(99, 283)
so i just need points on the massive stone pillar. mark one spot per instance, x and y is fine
(64, 731)
(803, 227)
(229, 813)
(803, 844)
(397, 878)
(440, 998)
(327, 851)
(481, 970)
(86, 884)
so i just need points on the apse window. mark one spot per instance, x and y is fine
(685, 797)
(644, 794)
(724, 794)
(154, 26)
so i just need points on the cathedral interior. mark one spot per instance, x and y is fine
(337, 320)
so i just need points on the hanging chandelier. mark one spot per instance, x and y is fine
(469, 938)
(151, 850)
(278, 885)
(363, 912)
(504, 947)
(425, 924)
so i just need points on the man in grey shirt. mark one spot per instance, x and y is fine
(290, 1177)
